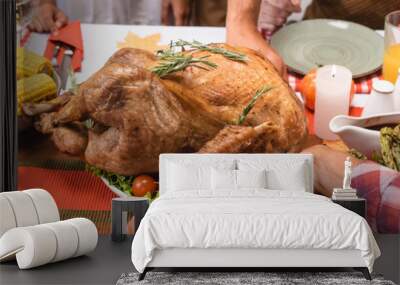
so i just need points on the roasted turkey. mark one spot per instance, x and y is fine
(135, 115)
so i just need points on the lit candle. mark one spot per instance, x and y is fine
(333, 85)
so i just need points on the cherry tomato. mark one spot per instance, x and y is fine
(142, 185)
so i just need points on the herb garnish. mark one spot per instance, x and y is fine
(252, 102)
(173, 60)
(195, 45)
(89, 123)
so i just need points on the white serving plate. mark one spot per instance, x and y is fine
(114, 189)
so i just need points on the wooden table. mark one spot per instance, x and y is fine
(35, 147)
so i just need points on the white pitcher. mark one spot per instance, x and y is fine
(355, 133)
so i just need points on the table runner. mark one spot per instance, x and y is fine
(77, 192)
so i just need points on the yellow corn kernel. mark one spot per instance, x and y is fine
(29, 63)
(36, 88)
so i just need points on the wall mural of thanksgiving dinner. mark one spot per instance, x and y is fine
(132, 113)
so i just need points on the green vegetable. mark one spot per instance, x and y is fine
(152, 196)
(252, 102)
(377, 157)
(389, 155)
(121, 182)
(390, 147)
(355, 153)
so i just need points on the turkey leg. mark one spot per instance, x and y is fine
(236, 139)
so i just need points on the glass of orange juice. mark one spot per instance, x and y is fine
(391, 59)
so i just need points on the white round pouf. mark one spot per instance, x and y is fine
(87, 234)
(31, 232)
(41, 244)
(32, 246)
(67, 240)
(7, 218)
(46, 207)
(23, 208)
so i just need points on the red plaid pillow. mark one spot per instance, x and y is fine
(380, 186)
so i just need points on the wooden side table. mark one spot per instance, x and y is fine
(358, 206)
(121, 207)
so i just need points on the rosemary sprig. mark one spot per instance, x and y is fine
(89, 123)
(195, 45)
(172, 60)
(177, 61)
(252, 102)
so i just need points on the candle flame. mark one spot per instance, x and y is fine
(333, 71)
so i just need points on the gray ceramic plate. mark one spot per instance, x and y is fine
(309, 44)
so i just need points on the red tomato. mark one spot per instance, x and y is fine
(307, 89)
(142, 185)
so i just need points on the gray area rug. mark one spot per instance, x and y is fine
(233, 278)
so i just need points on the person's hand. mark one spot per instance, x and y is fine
(270, 54)
(47, 18)
(252, 39)
(180, 10)
(274, 13)
(241, 31)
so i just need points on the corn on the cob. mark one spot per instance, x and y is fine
(36, 88)
(29, 63)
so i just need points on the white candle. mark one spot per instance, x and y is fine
(333, 85)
